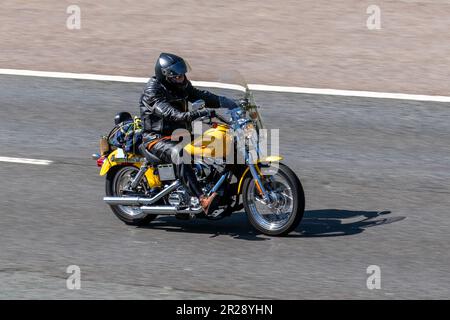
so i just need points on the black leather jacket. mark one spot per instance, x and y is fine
(164, 109)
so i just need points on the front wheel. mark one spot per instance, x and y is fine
(284, 213)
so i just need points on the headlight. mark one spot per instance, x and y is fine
(253, 115)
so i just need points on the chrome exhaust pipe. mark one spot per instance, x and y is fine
(168, 210)
(139, 201)
(162, 210)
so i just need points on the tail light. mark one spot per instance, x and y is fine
(100, 161)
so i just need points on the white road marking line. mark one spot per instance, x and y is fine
(255, 87)
(26, 161)
(66, 75)
(220, 85)
(351, 93)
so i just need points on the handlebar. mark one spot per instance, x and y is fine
(218, 116)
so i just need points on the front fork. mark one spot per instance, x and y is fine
(259, 183)
(256, 172)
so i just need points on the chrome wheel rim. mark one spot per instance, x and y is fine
(122, 181)
(276, 215)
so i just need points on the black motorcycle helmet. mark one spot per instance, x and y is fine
(169, 66)
(121, 117)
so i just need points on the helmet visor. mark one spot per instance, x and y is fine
(179, 68)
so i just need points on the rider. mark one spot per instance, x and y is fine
(164, 108)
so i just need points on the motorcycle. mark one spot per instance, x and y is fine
(139, 187)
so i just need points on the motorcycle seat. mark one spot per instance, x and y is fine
(149, 156)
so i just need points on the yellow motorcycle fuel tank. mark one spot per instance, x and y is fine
(216, 142)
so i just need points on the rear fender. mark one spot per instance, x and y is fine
(132, 160)
(112, 161)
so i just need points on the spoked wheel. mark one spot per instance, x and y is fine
(284, 212)
(117, 184)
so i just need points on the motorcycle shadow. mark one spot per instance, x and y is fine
(315, 223)
(235, 226)
(335, 223)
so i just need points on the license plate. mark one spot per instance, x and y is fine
(120, 154)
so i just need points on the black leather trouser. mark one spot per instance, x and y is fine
(170, 152)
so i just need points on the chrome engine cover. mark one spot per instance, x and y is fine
(179, 198)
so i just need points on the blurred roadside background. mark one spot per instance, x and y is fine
(307, 43)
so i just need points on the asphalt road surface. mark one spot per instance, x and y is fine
(375, 172)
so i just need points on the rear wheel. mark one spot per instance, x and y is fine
(117, 181)
(284, 213)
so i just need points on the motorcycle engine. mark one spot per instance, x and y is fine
(202, 170)
(179, 198)
(205, 169)
(205, 172)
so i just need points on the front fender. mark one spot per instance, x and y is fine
(262, 160)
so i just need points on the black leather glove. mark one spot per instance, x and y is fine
(205, 112)
(227, 103)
